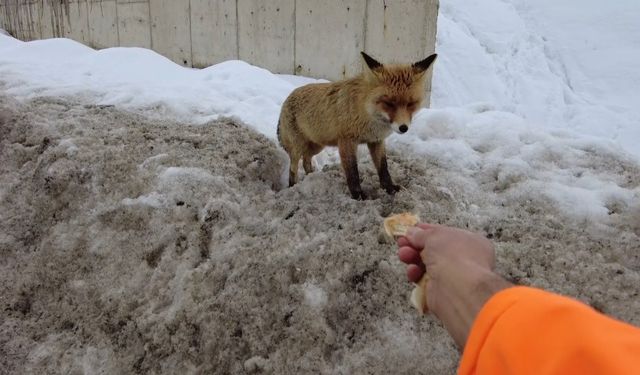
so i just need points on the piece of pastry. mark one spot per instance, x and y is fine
(419, 295)
(396, 226)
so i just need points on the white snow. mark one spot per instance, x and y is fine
(479, 144)
(522, 89)
(175, 184)
(314, 295)
(569, 64)
(153, 199)
(140, 79)
(70, 148)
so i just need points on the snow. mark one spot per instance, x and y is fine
(140, 79)
(153, 199)
(70, 148)
(314, 295)
(526, 90)
(476, 141)
(569, 64)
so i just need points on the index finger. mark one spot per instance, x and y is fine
(402, 241)
(417, 236)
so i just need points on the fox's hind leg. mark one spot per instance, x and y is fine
(290, 140)
(307, 164)
(294, 157)
(307, 156)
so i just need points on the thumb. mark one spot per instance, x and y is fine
(417, 236)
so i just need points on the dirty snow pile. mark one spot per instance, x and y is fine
(145, 229)
(133, 245)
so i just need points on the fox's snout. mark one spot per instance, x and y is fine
(397, 114)
(399, 128)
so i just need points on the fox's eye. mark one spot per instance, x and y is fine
(388, 104)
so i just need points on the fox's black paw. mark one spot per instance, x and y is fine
(359, 195)
(392, 189)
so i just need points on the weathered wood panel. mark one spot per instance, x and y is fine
(103, 23)
(20, 19)
(266, 33)
(214, 36)
(28, 18)
(3, 17)
(430, 25)
(134, 23)
(171, 29)
(45, 18)
(8, 12)
(76, 21)
(329, 37)
(391, 30)
(11, 14)
(310, 37)
(53, 18)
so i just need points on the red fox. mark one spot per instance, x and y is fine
(363, 109)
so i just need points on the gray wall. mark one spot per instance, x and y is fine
(317, 38)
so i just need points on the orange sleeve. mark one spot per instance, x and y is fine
(522, 330)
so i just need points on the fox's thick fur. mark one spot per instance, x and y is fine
(363, 109)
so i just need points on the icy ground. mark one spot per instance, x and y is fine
(141, 246)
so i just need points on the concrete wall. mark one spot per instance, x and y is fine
(309, 37)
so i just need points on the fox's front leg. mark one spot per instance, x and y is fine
(379, 157)
(349, 160)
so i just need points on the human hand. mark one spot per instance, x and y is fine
(450, 249)
(460, 268)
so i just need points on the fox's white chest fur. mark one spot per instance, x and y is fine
(379, 129)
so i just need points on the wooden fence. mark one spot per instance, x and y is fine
(317, 38)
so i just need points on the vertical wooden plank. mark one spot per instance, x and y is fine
(76, 21)
(17, 16)
(396, 30)
(213, 31)
(22, 29)
(171, 30)
(28, 27)
(2, 16)
(45, 18)
(134, 23)
(329, 38)
(433, 7)
(10, 15)
(103, 23)
(431, 25)
(53, 18)
(401, 31)
(34, 21)
(266, 33)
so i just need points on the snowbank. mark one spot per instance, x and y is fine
(163, 247)
(560, 65)
(142, 80)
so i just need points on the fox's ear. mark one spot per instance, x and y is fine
(423, 65)
(372, 63)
